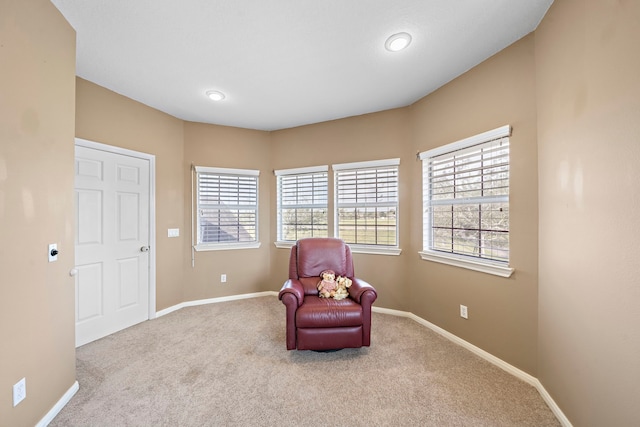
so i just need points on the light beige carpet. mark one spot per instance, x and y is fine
(226, 364)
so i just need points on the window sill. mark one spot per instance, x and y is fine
(464, 262)
(372, 250)
(226, 246)
(284, 244)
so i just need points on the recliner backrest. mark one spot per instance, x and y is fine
(310, 257)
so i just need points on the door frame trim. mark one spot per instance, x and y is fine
(79, 142)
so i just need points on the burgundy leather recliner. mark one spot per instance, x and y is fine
(315, 323)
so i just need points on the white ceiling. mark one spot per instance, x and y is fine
(286, 63)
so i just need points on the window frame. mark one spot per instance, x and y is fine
(280, 174)
(240, 173)
(356, 166)
(499, 268)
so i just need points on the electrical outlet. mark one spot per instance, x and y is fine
(223, 278)
(463, 311)
(19, 391)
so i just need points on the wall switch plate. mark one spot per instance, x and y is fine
(223, 278)
(19, 391)
(463, 311)
(53, 252)
(173, 232)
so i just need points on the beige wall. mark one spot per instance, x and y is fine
(571, 93)
(502, 312)
(369, 137)
(588, 88)
(37, 59)
(106, 117)
(247, 270)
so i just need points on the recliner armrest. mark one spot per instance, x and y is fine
(294, 287)
(358, 288)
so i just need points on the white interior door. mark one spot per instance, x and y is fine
(112, 198)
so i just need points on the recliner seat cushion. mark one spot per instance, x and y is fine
(318, 312)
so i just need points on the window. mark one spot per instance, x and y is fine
(227, 208)
(466, 203)
(366, 195)
(302, 203)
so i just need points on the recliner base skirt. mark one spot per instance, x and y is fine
(329, 338)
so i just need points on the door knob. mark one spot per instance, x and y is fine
(144, 249)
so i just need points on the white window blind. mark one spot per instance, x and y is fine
(302, 203)
(227, 206)
(466, 197)
(367, 202)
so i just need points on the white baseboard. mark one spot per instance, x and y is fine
(518, 373)
(552, 405)
(212, 301)
(44, 422)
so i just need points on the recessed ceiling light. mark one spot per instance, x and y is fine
(215, 95)
(398, 42)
